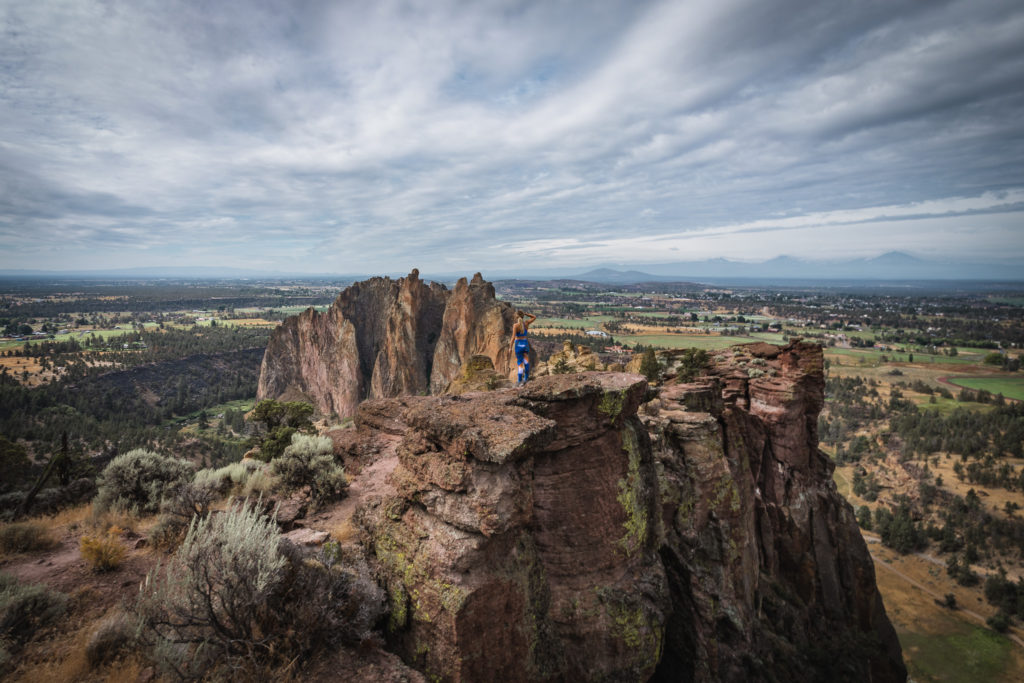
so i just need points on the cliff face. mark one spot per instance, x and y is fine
(770, 577)
(552, 533)
(383, 338)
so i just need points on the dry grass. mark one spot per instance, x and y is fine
(25, 537)
(104, 553)
(252, 322)
(344, 531)
(67, 663)
(123, 520)
(16, 365)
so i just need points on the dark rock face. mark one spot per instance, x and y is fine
(770, 577)
(551, 533)
(384, 338)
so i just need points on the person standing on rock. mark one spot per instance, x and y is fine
(521, 345)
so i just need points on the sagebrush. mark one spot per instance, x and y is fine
(139, 479)
(309, 462)
(235, 596)
(24, 608)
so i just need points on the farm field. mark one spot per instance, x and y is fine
(588, 322)
(1010, 387)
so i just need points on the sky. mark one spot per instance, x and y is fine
(364, 137)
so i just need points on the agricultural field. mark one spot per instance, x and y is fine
(1010, 387)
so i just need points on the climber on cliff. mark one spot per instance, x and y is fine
(520, 345)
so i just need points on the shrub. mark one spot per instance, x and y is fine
(215, 591)
(275, 442)
(139, 478)
(230, 478)
(1000, 622)
(25, 607)
(113, 635)
(309, 461)
(104, 552)
(235, 595)
(25, 537)
(181, 505)
(691, 363)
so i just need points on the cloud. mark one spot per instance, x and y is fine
(356, 137)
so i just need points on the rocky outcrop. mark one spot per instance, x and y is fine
(474, 323)
(571, 359)
(553, 533)
(384, 338)
(521, 543)
(770, 577)
(477, 374)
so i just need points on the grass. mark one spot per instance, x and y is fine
(969, 653)
(842, 485)
(875, 355)
(946, 406)
(683, 341)
(242, 404)
(1010, 387)
(590, 321)
(80, 335)
(1012, 300)
(25, 537)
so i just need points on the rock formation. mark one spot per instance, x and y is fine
(477, 374)
(571, 359)
(770, 577)
(383, 338)
(553, 533)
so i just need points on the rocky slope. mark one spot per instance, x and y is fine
(553, 533)
(383, 338)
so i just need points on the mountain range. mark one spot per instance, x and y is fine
(891, 266)
(888, 266)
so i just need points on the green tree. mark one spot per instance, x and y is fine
(649, 366)
(864, 517)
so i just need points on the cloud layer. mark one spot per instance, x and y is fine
(456, 136)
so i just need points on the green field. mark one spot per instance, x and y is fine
(1012, 300)
(875, 356)
(680, 341)
(589, 322)
(242, 404)
(1010, 387)
(968, 653)
(80, 335)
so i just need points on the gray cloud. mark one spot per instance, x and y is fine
(376, 136)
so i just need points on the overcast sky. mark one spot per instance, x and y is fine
(362, 137)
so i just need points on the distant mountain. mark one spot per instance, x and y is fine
(891, 266)
(159, 272)
(616, 277)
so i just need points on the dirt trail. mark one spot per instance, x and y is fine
(372, 482)
(879, 562)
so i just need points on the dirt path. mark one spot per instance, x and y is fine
(371, 482)
(879, 562)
